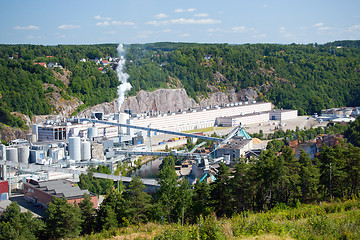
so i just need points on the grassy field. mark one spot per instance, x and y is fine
(336, 220)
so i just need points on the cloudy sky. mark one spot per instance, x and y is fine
(141, 21)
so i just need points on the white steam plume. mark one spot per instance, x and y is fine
(123, 77)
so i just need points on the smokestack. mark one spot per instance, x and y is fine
(123, 77)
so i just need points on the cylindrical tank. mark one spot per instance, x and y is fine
(123, 118)
(31, 137)
(85, 151)
(92, 132)
(12, 154)
(23, 154)
(35, 130)
(2, 152)
(75, 148)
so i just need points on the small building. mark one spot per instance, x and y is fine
(234, 149)
(41, 64)
(43, 192)
(283, 114)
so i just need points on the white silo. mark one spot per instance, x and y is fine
(85, 151)
(123, 119)
(92, 132)
(23, 154)
(35, 130)
(75, 148)
(12, 154)
(2, 152)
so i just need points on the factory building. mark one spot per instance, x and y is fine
(283, 114)
(201, 118)
(234, 149)
(43, 192)
(55, 132)
(251, 118)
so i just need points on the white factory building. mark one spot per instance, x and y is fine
(244, 113)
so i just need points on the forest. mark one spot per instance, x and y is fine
(274, 194)
(304, 77)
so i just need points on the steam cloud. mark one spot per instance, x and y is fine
(123, 77)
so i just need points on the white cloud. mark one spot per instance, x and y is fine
(265, 6)
(108, 23)
(320, 24)
(241, 29)
(285, 34)
(180, 10)
(324, 28)
(185, 21)
(68, 26)
(98, 17)
(103, 24)
(185, 35)
(201, 15)
(33, 37)
(262, 35)
(122, 23)
(30, 27)
(160, 15)
(354, 28)
(145, 34)
(166, 30)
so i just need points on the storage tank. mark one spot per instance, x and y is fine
(123, 118)
(75, 148)
(35, 130)
(2, 152)
(92, 132)
(12, 154)
(85, 151)
(23, 154)
(31, 137)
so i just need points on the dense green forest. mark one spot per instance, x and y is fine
(304, 77)
(21, 81)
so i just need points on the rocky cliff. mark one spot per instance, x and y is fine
(164, 100)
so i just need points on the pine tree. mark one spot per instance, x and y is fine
(137, 202)
(88, 214)
(309, 177)
(63, 220)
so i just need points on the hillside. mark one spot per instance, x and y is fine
(304, 77)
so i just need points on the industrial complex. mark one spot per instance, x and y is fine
(62, 149)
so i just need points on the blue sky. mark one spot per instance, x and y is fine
(141, 21)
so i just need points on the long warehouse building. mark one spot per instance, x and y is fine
(197, 119)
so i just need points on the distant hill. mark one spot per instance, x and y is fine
(304, 77)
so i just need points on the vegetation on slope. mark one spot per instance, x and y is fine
(304, 77)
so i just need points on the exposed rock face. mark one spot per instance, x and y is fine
(65, 107)
(9, 133)
(220, 98)
(161, 100)
(164, 100)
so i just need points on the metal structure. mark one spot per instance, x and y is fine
(163, 154)
(35, 167)
(154, 130)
